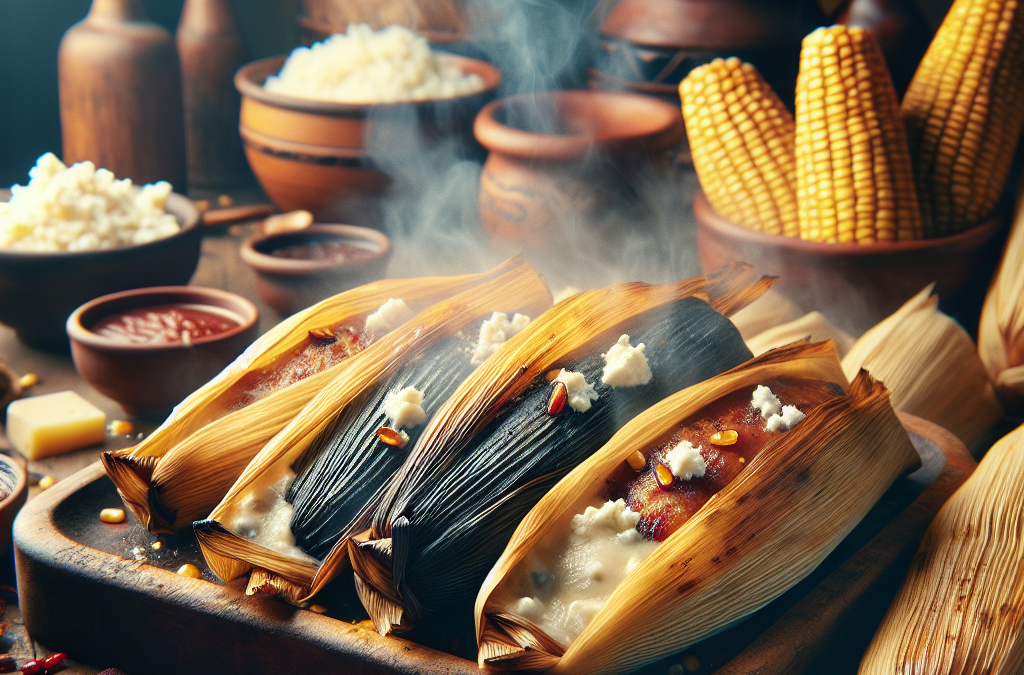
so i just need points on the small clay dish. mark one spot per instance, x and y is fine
(297, 269)
(13, 493)
(39, 290)
(858, 285)
(149, 378)
(312, 155)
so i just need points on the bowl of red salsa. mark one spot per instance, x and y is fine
(297, 269)
(149, 348)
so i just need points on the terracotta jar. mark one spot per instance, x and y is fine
(120, 95)
(564, 155)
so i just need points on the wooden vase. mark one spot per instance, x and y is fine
(120, 95)
(211, 50)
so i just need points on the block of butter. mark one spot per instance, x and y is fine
(41, 426)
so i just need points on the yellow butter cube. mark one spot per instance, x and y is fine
(41, 426)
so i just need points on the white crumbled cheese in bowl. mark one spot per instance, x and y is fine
(366, 66)
(82, 208)
(625, 365)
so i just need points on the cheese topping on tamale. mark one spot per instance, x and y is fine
(494, 332)
(685, 461)
(625, 365)
(388, 317)
(580, 392)
(405, 408)
(263, 515)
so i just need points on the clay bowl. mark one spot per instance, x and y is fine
(147, 380)
(39, 290)
(561, 153)
(13, 484)
(289, 284)
(855, 285)
(312, 155)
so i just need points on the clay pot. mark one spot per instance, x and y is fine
(858, 285)
(13, 484)
(436, 20)
(311, 154)
(149, 380)
(582, 154)
(291, 284)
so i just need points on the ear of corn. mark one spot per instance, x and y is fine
(964, 111)
(753, 540)
(931, 367)
(854, 181)
(741, 138)
(961, 608)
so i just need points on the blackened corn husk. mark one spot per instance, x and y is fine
(961, 608)
(812, 325)
(347, 410)
(495, 447)
(182, 470)
(1001, 331)
(762, 533)
(930, 366)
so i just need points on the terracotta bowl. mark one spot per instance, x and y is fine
(149, 380)
(311, 154)
(855, 285)
(291, 284)
(39, 290)
(13, 484)
(582, 155)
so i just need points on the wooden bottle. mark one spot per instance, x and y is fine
(120, 95)
(211, 50)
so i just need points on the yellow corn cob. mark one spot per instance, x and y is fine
(741, 137)
(854, 181)
(965, 110)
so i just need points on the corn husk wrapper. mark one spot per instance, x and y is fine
(770, 310)
(1001, 331)
(748, 544)
(459, 494)
(930, 366)
(182, 470)
(517, 289)
(812, 325)
(961, 607)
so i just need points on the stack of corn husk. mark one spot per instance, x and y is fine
(931, 368)
(766, 530)
(182, 470)
(1001, 333)
(961, 608)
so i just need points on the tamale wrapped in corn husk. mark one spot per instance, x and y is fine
(347, 415)
(754, 539)
(1001, 331)
(505, 436)
(183, 469)
(961, 608)
(812, 325)
(930, 366)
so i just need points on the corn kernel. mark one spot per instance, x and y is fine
(112, 516)
(225, 200)
(120, 427)
(28, 380)
(637, 461)
(46, 482)
(189, 570)
(319, 609)
(203, 204)
(724, 437)
(663, 475)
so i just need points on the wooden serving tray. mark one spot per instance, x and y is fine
(107, 596)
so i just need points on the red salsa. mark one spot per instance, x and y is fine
(323, 249)
(165, 324)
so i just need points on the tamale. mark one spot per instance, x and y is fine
(185, 467)
(961, 607)
(930, 366)
(518, 424)
(750, 542)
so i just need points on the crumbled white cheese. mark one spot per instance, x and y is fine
(494, 332)
(789, 418)
(765, 401)
(580, 392)
(613, 517)
(625, 365)
(388, 317)
(405, 408)
(685, 461)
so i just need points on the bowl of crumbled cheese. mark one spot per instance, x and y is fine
(311, 122)
(75, 233)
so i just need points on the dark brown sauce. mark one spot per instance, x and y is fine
(164, 325)
(323, 249)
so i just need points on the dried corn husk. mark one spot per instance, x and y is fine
(357, 381)
(961, 607)
(185, 467)
(930, 366)
(494, 447)
(1001, 331)
(756, 538)
(812, 325)
(770, 310)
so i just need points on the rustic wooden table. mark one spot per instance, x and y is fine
(220, 267)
